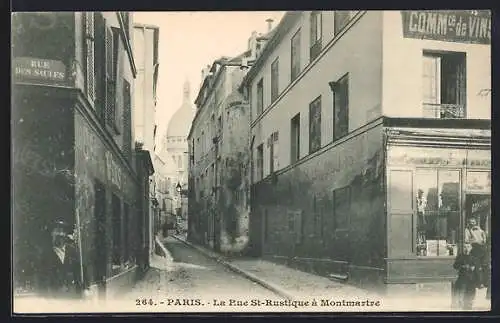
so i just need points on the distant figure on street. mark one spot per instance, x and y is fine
(476, 237)
(465, 287)
(60, 271)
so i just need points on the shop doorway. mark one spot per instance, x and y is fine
(478, 206)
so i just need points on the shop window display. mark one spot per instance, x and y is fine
(438, 212)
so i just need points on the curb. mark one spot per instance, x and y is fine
(168, 256)
(220, 259)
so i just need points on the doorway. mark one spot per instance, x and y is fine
(100, 259)
(479, 206)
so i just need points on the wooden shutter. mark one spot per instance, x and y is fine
(127, 115)
(110, 85)
(89, 46)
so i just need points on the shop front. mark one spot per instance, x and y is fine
(433, 188)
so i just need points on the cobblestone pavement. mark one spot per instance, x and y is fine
(192, 275)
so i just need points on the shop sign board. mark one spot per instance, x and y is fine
(402, 155)
(462, 26)
(38, 70)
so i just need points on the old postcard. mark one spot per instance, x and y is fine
(299, 161)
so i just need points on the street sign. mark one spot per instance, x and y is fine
(45, 71)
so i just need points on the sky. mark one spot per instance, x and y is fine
(189, 41)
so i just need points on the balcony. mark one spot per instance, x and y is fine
(443, 111)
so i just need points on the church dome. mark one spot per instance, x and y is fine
(180, 122)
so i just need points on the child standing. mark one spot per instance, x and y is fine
(467, 266)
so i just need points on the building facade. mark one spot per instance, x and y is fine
(145, 49)
(218, 150)
(73, 157)
(370, 142)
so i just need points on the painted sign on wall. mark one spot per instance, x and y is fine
(463, 26)
(38, 70)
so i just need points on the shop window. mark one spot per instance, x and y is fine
(444, 85)
(275, 79)
(117, 231)
(342, 18)
(438, 212)
(295, 56)
(315, 125)
(295, 139)
(316, 34)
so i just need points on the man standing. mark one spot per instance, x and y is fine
(476, 237)
(61, 274)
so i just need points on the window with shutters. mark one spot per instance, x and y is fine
(295, 55)
(295, 139)
(315, 34)
(273, 144)
(341, 108)
(315, 125)
(275, 79)
(127, 115)
(100, 66)
(89, 36)
(342, 18)
(112, 47)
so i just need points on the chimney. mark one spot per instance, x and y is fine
(269, 24)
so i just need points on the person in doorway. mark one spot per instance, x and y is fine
(467, 265)
(476, 237)
(61, 274)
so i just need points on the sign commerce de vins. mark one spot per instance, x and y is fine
(462, 26)
(38, 70)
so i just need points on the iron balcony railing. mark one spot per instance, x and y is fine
(444, 111)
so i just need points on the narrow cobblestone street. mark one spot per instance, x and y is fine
(194, 276)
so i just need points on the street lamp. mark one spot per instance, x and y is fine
(178, 187)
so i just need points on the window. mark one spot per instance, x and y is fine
(100, 66)
(275, 79)
(438, 211)
(112, 39)
(295, 56)
(444, 85)
(117, 232)
(341, 207)
(179, 162)
(342, 18)
(127, 110)
(273, 152)
(315, 125)
(260, 162)
(341, 108)
(260, 97)
(316, 34)
(295, 138)
(89, 36)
